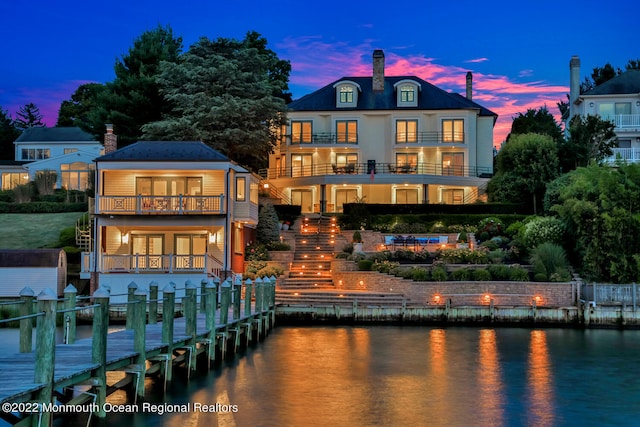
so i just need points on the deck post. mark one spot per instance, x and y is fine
(248, 284)
(99, 347)
(139, 338)
(26, 325)
(153, 303)
(168, 310)
(190, 312)
(259, 294)
(210, 318)
(216, 282)
(237, 296)
(272, 299)
(45, 350)
(131, 289)
(203, 295)
(225, 300)
(70, 293)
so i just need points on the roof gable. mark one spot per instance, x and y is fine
(165, 151)
(56, 134)
(430, 98)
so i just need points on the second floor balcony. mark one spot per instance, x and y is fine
(628, 155)
(424, 138)
(161, 205)
(625, 121)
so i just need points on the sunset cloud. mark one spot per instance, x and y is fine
(318, 63)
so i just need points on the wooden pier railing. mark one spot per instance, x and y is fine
(213, 320)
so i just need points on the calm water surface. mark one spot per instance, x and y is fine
(414, 376)
(419, 376)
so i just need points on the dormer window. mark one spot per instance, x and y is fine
(407, 93)
(346, 94)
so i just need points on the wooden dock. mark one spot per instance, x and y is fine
(217, 319)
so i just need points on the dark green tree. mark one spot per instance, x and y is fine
(524, 166)
(28, 116)
(539, 121)
(600, 208)
(267, 230)
(8, 134)
(599, 76)
(227, 93)
(590, 139)
(78, 110)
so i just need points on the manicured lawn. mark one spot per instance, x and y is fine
(31, 231)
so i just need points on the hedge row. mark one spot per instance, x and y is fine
(42, 207)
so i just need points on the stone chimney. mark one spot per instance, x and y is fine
(574, 85)
(469, 85)
(110, 140)
(378, 70)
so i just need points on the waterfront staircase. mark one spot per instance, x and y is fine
(309, 280)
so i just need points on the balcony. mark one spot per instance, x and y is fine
(424, 138)
(138, 263)
(625, 122)
(355, 169)
(161, 205)
(629, 155)
(322, 138)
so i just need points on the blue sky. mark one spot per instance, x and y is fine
(518, 51)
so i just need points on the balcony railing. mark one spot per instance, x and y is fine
(377, 169)
(167, 205)
(629, 155)
(624, 121)
(328, 138)
(138, 263)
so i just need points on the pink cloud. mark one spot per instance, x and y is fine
(318, 63)
(477, 60)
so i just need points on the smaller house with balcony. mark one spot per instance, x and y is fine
(617, 100)
(169, 211)
(67, 152)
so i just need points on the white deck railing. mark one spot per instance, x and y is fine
(625, 120)
(172, 205)
(138, 263)
(629, 155)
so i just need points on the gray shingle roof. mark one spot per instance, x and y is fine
(61, 134)
(626, 83)
(29, 257)
(165, 151)
(429, 98)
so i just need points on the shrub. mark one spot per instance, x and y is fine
(256, 252)
(464, 256)
(481, 275)
(255, 266)
(550, 263)
(270, 270)
(404, 255)
(497, 256)
(490, 244)
(357, 237)
(543, 229)
(348, 248)
(365, 264)
(384, 266)
(490, 225)
(462, 274)
(439, 274)
(462, 236)
(268, 229)
(518, 274)
(342, 255)
(381, 256)
(419, 274)
(22, 193)
(408, 228)
(278, 246)
(499, 272)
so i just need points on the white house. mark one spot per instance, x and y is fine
(169, 211)
(385, 139)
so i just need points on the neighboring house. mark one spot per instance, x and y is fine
(617, 100)
(385, 140)
(34, 268)
(67, 151)
(169, 207)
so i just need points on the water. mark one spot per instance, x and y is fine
(412, 376)
(419, 376)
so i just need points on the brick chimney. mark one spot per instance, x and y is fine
(110, 140)
(469, 85)
(378, 70)
(574, 85)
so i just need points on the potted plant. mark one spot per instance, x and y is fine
(357, 241)
(462, 240)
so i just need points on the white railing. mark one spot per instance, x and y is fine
(138, 263)
(172, 205)
(629, 155)
(625, 120)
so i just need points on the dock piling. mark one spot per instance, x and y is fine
(45, 341)
(99, 347)
(26, 324)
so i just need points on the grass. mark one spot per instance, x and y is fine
(32, 231)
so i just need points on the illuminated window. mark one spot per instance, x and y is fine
(406, 160)
(407, 93)
(238, 242)
(406, 196)
(346, 94)
(169, 186)
(76, 176)
(453, 164)
(406, 131)
(70, 150)
(347, 131)
(453, 196)
(453, 130)
(346, 159)
(35, 153)
(301, 132)
(10, 180)
(241, 183)
(301, 165)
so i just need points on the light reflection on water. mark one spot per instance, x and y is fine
(416, 376)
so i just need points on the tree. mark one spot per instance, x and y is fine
(539, 121)
(227, 93)
(78, 110)
(590, 139)
(268, 227)
(525, 164)
(600, 208)
(28, 116)
(133, 98)
(8, 134)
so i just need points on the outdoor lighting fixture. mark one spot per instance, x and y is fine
(265, 186)
(361, 282)
(124, 238)
(436, 298)
(213, 237)
(487, 297)
(296, 294)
